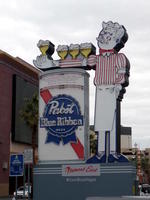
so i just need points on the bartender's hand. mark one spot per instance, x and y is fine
(43, 62)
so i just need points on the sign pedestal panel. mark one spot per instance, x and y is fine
(76, 181)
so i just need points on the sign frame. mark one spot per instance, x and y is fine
(18, 160)
(28, 156)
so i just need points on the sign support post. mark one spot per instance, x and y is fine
(16, 187)
(28, 159)
(16, 167)
(24, 179)
(28, 181)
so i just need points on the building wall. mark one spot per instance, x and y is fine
(9, 66)
(19, 148)
(126, 138)
(126, 142)
(5, 126)
(147, 153)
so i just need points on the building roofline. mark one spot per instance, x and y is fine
(20, 64)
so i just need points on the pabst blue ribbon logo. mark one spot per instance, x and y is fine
(61, 117)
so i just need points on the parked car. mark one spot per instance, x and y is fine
(144, 190)
(21, 191)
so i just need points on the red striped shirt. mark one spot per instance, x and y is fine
(107, 69)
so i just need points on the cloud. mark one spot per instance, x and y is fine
(24, 23)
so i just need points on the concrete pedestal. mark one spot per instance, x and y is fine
(50, 182)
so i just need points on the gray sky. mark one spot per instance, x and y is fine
(25, 22)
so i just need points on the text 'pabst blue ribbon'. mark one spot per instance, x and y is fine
(61, 117)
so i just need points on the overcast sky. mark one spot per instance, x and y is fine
(25, 22)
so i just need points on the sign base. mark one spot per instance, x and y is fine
(80, 181)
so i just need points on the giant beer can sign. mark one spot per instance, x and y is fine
(63, 111)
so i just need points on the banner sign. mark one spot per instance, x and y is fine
(16, 165)
(61, 118)
(64, 77)
(81, 170)
(28, 156)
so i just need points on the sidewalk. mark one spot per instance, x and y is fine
(10, 198)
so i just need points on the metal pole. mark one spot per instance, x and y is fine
(28, 181)
(16, 186)
(24, 179)
(107, 143)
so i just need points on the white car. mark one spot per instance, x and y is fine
(144, 190)
(21, 192)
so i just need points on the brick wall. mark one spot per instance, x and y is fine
(8, 67)
(4, 189)
(5, 126)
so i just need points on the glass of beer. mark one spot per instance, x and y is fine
(74, 50)
(62, 51)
